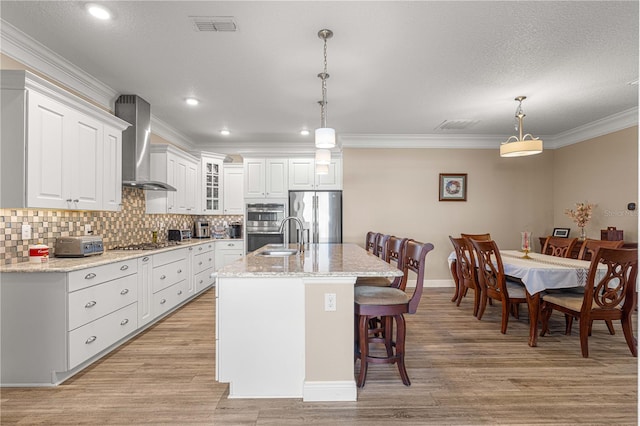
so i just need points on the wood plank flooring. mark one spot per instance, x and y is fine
(463, 372)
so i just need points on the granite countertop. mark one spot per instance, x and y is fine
(68, 264)
(318, 260)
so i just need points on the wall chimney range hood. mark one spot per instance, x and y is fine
(136, 141)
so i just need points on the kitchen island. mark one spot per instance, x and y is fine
(284, 324)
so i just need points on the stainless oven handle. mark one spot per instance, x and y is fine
(263, 233)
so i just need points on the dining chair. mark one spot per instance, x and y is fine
(493, 282)
(607, 296)
(479, 237)
(390, 304)
(559, 247)
(466, 275)
(589, 247)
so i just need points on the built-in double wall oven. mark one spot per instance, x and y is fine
(263, 224)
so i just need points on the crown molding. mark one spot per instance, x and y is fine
(613, 123)
(170, 134)
(363, 140)
(24, 49)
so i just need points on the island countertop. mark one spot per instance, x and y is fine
(318, 260)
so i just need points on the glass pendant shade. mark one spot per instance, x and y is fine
(323, 156)
(322, 169)
(521, 148)
(325, 138)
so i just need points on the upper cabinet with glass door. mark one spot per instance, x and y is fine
(211, 184)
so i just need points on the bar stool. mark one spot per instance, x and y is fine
(389, 304)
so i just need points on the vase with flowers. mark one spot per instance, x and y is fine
(581, 216)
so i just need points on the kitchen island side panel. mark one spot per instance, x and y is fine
(261, 340)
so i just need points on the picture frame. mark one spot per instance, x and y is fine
(453, 187)
(561, 232)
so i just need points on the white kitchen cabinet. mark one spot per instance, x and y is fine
(233, 183)
(171, 280)
(266, 177)
(202, 265)
(227, 251)
(211, 183)
(145, 289)
(56, 147)
(180, 170)
(303, 177)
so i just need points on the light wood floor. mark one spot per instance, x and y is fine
(463, 372)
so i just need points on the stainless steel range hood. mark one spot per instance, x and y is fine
(136, 140)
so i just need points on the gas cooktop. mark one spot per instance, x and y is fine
(147, 246)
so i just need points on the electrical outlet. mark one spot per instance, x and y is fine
(87, 230)
(329, 301)
(26, 231)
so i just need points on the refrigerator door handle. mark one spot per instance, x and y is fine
(316, 203)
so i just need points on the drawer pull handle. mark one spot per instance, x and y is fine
(89, 276)
(124, 291)
(163, 301)
(90, 340)
(179, 292)
(190, 248)
(200, 248)
(90, 304)
(230, 245)
(124, 267)
(124, 321)
(179, 271)
(145, 259)
(69, 200)
(201, 281)
(76, 200)
(163, 277)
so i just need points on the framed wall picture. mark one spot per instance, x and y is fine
(453, 187)
(561, 232)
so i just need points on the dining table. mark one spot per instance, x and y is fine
(539, 273)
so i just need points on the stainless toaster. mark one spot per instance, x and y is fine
(87, 245)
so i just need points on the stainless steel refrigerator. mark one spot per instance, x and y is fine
(321, 214)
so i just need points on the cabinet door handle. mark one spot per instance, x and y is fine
(90, 340)
(210, 259)
(145, 259)
(124, 267)
(124, 321)
(163, 277)
(179, 292)
(89, 276)
(201, 281)
(69, 200)
(200, 248)
(190, 248)
(76, 201)
(90, 304)
(163, 301)
(179, 271)
(199, 263)
(124, 291)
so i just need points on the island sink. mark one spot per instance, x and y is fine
(278, 252)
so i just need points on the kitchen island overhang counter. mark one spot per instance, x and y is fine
(284, 324)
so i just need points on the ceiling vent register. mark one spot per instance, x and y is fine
(214, 23)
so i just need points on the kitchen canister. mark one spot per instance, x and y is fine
(38, 253)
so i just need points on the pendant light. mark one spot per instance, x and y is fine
(520, 146)
(325, 136)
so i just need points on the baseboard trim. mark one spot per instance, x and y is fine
(344, 390)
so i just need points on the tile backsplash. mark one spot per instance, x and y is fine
(128, 226)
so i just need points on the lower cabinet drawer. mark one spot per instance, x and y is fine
(90, 339)
(168, 298)
(169, 274)
(204, 280)
(91, 303)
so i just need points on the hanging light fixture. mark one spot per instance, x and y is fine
(325, 136)
(520, 146)
(323, 156)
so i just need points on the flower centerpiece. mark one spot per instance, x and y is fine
(581, 216)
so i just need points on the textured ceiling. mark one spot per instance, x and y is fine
(397, 68)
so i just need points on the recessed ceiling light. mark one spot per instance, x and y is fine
(98, 11)
(225, 132)
(192, 101)
(304, 132)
